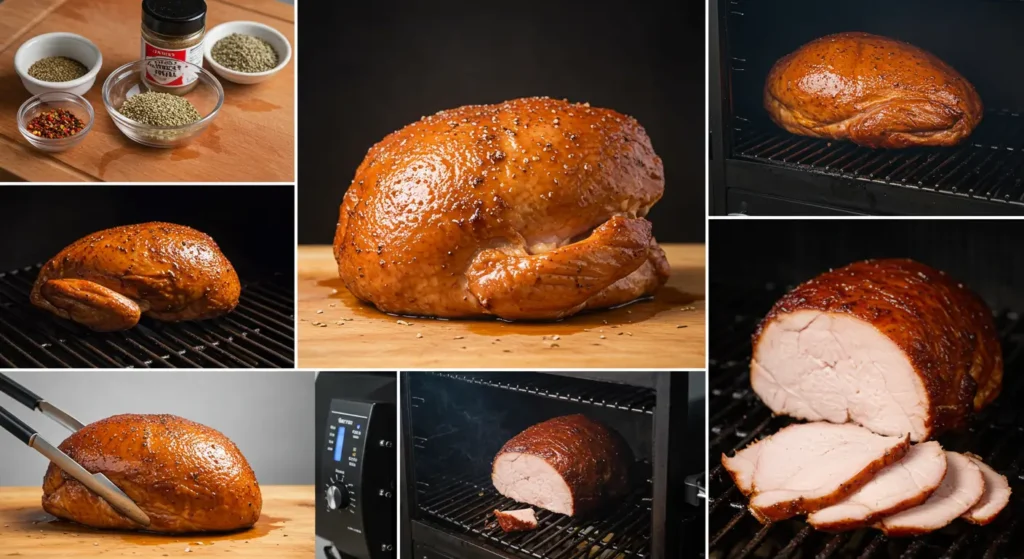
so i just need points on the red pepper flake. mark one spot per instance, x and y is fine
(55, 124)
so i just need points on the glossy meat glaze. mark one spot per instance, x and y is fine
(529, 209)
(943, 330)
(871, 90)
(185, 476)
(107, 280)
(587, 460)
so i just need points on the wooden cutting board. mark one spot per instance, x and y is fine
(337, 331)
(285, 529)
(251, 139)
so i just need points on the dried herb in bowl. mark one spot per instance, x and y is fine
(55, 124)
(244, 53)
(57, 69)
(160, 109)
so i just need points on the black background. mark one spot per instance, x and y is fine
(986, 255)
(253, 225)
(369, 68)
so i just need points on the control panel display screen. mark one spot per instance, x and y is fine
(339, 443)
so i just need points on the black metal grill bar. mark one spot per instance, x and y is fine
(467, 502)
(737, 417)
(989, 166)
(259, 333)
(635, 399)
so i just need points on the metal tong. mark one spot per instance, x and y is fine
(98, 483)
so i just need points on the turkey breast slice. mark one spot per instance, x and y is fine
(961, 489)
(902, 485)
(809, 466)
(833, 367)
(993, 500)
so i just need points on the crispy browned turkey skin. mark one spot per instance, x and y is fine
(185, 476)
(529, 209)
(894, 345)
(874, 91)
(571, 465)
(108, 280)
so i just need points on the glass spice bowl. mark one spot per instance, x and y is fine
(129, 80)
(48, 102)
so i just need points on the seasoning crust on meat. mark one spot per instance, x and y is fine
(185, 476)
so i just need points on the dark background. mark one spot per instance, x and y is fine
(253, 225)
(986, 255)
(369, 68)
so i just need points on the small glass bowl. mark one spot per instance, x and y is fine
(49, 101)
(129, 80)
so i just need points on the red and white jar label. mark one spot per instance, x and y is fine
(166, 66)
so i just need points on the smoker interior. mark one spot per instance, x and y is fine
(253, 225)
(461, 420)
(776, 256)
(980, 39)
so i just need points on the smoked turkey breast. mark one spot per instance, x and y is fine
(570, 465)
(874, 91)
(185, 476)
(108, 280)
(893, 345)
(529, 209)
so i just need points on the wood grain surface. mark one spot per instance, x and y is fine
(337, 331)
(285, 529)
(251, 140)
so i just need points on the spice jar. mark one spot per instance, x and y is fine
(172, 33)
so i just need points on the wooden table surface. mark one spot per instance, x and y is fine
(285, 529)
(337, 331)
(251, 140)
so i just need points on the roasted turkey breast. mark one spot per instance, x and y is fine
(874, 91)
(894, 345)
(108, 280)
(571, 465)
(185, 476)
(529, 209)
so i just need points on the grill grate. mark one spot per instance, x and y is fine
(990, 165)
(466, 502)
(616, 396)
(259, 333)
(737, 417)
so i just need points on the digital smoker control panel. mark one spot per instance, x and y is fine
(358, 467)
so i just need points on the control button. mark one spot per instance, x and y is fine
(337, 497)
(385, 443)
(385, 547)
(383, 493)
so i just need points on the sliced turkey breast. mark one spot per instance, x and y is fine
(961, 489)
(893, 345)
(993, 500)
(742, 465)
(810, 466)
(902, 485)
(520, 520)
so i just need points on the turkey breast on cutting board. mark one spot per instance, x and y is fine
(809, 466)
(569, 464)
(993, 500)
(961, 489)
(893, 345)
(902, 485)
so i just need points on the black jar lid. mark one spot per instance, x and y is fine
(174, 17)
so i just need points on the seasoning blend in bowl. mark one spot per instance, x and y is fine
(172, 33)
(55, 121)
(246, 52)
(57, 69)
